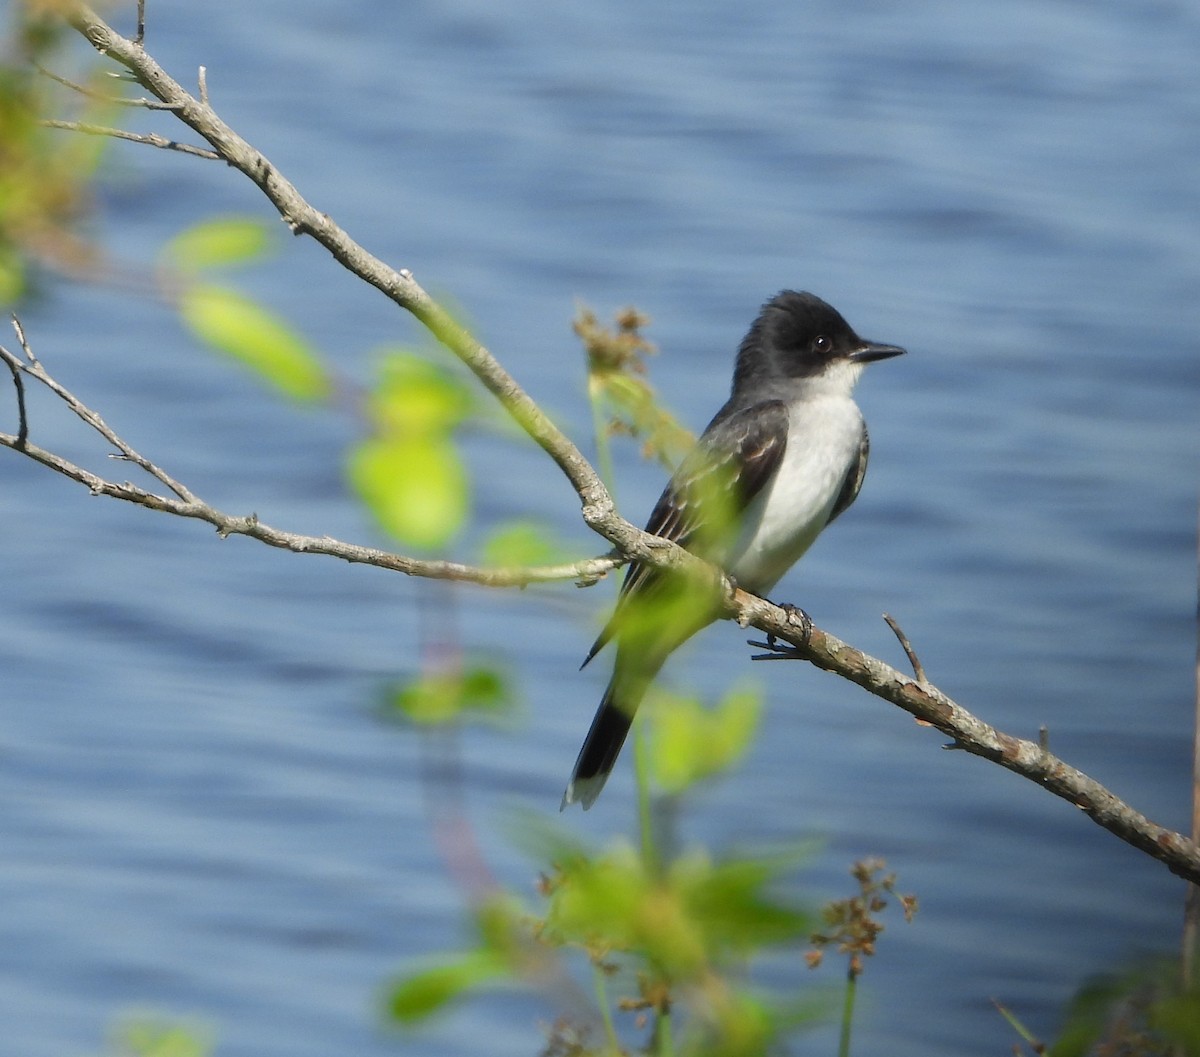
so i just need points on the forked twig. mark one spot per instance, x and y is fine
(104, 97)
(184, 503)
(150, 138)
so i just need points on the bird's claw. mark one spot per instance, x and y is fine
(796, 615)
(781, 651)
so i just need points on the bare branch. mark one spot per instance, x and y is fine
(185, 503)
(400, 286)
(150, 138)
(806, 642)
(37, 371)
(928, 704)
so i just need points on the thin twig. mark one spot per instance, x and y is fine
(37, 371)
(139, 36)
(149, 138)
(918, 670)
(104, 97)
(21, 440)
(597, 506)
(187, 504)
(203, 83)
(20, 332)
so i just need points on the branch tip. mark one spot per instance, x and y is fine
(918, 669)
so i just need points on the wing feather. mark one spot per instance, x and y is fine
(854, 479)
(731, 463)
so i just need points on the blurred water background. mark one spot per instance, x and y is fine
(203, 813)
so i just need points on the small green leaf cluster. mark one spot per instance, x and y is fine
(152, 1036)
(1145, 1011)
(450, 696)
(693, 918)
(671, 947)
(409, 472)
(690, 743)
(504, 951)
(670, 944)
(407, 469)
(45, 174)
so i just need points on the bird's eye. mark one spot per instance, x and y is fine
(823, 345)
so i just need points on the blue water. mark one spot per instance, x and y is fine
(203, 814)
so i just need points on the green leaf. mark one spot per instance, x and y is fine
(147, 1037)
(218, 243)
(257, 338)
(682, 923)
(416, 487)
(733, 902)
(598, 902)
(446, 696)
(420, 995)
(690, 742)
(520, 543)
(1139, 1010)
(485, 690)
(414, 396)
(741, 1024)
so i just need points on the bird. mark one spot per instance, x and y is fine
(783, 458)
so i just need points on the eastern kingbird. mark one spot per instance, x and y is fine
(783, 458)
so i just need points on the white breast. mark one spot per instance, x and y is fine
(787, 516)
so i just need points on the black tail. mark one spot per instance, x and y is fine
(600, 749)
(633, 671)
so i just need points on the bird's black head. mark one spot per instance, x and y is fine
(797, 335)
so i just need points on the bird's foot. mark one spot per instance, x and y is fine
(796, 615)
(781, 651)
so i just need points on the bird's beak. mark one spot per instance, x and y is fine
(871, 351)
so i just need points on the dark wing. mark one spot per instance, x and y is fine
(854, 479)
(737, 454)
